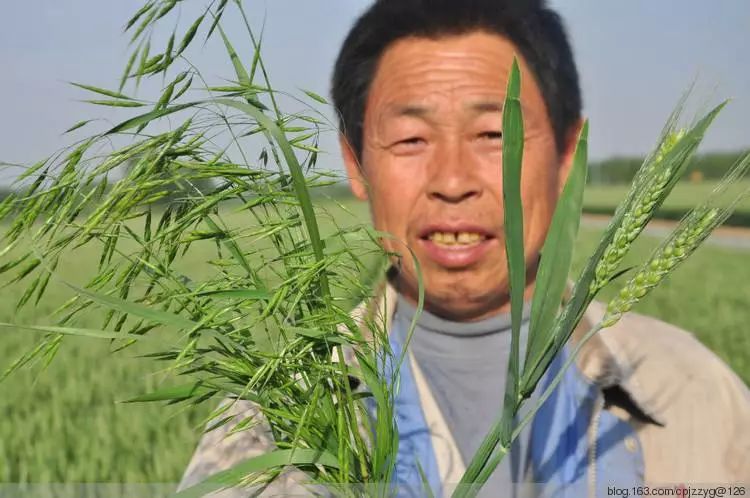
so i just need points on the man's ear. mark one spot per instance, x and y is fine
(353, 169)
(568, 154)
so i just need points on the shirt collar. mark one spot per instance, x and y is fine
(601, 360)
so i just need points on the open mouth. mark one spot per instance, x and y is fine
(456, 248)
(456, 239)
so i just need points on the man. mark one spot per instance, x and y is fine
(419, 87)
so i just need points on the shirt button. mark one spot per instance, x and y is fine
(630, 444)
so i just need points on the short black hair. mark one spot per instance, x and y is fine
(535, 30)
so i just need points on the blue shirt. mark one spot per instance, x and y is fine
(560, 457)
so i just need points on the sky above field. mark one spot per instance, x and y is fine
(635, 59)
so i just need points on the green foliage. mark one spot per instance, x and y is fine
(64, 424)
(662, 168)
(269, 319)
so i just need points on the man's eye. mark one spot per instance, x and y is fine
(410, 141)
(408, 146)
(492, 135)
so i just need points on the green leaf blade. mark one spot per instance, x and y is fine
(239, 69)
(258, 294)
(172, 393)
(102, 91)
(139, 310)
(557, 255)
(116, 103)
(513, 141)
(71, 331)
(146, 118)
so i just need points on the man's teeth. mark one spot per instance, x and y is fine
(456, 238)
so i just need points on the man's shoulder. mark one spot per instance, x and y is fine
(701, 406)
(642, 341)
(243, 434)
(644, 337)
(660, 364)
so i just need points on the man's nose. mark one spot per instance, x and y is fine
(453, 176)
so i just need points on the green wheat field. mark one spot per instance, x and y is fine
(683, 197)
(66, 423)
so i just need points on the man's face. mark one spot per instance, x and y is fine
(432, 168)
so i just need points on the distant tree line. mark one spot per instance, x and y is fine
(618, 170)
(612, 171)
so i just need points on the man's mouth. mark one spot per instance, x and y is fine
(456, 247)
(462, 239)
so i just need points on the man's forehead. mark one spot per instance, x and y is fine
(424, 109)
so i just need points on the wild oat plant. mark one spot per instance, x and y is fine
(272, 321)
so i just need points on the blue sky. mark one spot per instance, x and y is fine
(635, 59)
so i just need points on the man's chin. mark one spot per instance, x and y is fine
(463, 305)
(459, 295)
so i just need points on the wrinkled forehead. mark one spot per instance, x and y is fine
(458, 74)
(424, 108)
